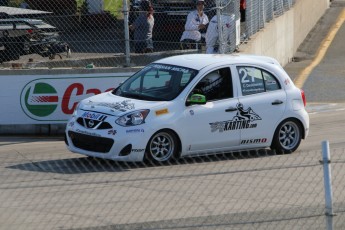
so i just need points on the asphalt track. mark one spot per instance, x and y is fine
(44, 186)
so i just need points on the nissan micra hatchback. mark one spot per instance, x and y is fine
(191, 105)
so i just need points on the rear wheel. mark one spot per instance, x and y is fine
(162, 147)
(287, 137)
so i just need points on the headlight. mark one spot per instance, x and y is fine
(133, 118)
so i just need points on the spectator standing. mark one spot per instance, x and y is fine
(143, 28)
(196, 24)
(212, 41)
(243, 10)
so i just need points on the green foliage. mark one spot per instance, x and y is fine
(84, 8)
(114, 7)
(15, 3)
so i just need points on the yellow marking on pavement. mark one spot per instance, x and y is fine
(303, 76)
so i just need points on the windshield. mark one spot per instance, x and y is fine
(156, 82)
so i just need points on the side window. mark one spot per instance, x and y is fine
(216, 85)
(251, 80)
(271, 83)
(254, 80)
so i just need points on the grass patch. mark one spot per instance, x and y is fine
(114, 7)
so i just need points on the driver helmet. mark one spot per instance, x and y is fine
(212, 77)
(210, 81)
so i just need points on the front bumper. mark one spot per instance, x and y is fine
(120, 143)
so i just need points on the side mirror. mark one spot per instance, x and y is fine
(196, 99)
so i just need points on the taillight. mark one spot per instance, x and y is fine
(30, 31)
(303, 98)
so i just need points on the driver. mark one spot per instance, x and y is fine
(210, 82)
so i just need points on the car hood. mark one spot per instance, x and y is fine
(111, 104)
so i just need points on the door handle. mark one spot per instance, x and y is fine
(277, 102)
(231, 109)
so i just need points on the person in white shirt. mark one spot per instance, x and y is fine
(195, 26)
(212, 34)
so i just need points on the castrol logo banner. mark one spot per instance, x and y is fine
(50, 99)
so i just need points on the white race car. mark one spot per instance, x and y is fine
(191, 105)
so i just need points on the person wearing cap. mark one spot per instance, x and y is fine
(196, 23)
(143, 27)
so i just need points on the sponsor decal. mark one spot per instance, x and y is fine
(88, 133)
(112, 132)
(191, 112)
(254, 141)
(244, 119)
(161, 112)
(40, 99)
(71, 124)
(121, 106)
(135, 131)
(94, 116)
(54, 99)
(287, 81)
(173, 68)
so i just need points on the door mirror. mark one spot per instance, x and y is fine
(196, 99)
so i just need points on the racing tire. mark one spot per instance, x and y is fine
(287, 137)
(162, 147)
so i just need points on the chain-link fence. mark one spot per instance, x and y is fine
(73, 33)
(43, 186)
(260, 12)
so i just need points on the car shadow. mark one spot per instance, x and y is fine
(92, 165)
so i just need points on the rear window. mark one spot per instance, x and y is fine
(254, 80)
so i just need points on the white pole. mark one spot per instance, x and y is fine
(125, 15)
(326, 161)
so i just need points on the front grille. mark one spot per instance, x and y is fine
(91, 143)
(93, 124)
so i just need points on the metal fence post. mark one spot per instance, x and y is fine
(220, 26)
(126, 26)
(326, 161)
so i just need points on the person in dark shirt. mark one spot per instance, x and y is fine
(143, 27)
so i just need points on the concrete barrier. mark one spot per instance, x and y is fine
(281, 37)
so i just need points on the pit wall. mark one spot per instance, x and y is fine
(279, 39)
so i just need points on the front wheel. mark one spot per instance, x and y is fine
(162, 147)
(287, 137)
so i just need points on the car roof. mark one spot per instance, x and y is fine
(199, 61)
(20, 11)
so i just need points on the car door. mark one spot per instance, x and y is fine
(209, 127)
(261, 104)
